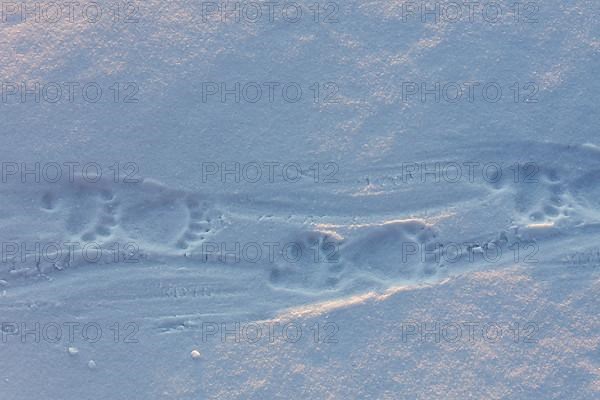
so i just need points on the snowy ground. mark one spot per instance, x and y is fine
(302, 206)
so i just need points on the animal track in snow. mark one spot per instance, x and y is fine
(106, 218)
(538, 193)
(77, 207)
(155, 218)
(152, 216)
(376, 253)
(384, 251)
(202, 222)
(548, 201)
(315, 264)
(586, 194)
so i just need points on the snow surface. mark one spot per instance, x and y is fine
(368, 302)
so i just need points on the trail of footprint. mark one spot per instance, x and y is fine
(170, 221)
